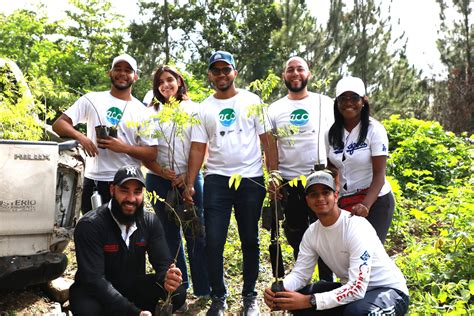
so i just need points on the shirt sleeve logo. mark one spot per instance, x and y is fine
(299, 117)
(365, 256)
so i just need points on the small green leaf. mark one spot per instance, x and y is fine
(442, 296)
(235, 180)
(231, 180)
(238, 179)
(303, 180)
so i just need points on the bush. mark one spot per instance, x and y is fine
(18, 113)
(425, 158)
(431, 232)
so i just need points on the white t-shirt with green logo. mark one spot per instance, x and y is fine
(169, 138)
(101, 108)
(233, 136)
(301, 126)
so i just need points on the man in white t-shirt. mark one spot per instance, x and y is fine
(114, 137)
(234, 148)
(299, 122)
(371, 283)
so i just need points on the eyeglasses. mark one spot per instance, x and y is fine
(217, 71)
(352, 98)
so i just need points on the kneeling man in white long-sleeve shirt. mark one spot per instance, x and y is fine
(370, 282)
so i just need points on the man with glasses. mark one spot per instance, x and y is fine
(299, 122)
(234, 148)
(111, 141)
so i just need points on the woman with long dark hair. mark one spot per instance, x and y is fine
(166, 177)
(358, 148)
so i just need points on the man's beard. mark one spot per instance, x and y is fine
(122, 218)
(121, 87)
(304, 83)
(225, 88)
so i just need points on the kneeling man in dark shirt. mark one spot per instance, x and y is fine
(111, 243)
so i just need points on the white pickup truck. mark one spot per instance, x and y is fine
(40, 189)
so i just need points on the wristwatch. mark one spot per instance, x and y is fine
(312, 301)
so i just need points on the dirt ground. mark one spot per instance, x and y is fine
(35, 300)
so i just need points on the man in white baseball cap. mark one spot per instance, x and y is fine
(128, 59)
(110, 142)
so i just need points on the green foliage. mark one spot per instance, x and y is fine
(432, 229)
(424, 158)
(18, 112)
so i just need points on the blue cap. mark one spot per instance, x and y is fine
(221, 55)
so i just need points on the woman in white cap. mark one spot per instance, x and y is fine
(167, 173)
(358, 148)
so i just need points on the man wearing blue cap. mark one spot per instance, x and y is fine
(234, 148)
(371, 283)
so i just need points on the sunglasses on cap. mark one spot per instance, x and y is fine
(217, 71)
(352, 98)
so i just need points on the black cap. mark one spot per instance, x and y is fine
(129, 172)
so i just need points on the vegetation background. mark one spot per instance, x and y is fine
(430, 121)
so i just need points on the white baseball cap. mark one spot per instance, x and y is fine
(353, 84)
(128, 59)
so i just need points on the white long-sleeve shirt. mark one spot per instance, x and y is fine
(351, 249)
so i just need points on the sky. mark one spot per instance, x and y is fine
(419, 19)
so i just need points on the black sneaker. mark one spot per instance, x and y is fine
(218, 307)
(251, 306)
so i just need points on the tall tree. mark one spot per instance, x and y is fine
(198, 27)
(454, 97)
(361, 44)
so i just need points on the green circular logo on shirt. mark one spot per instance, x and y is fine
(227, 117)
(114, 115)
(299, 117)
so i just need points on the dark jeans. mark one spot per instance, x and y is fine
(144, 294)
(298, 217)
(247, 201)
(379, 301)
(87, 190)
(195, 244)
(381, 213)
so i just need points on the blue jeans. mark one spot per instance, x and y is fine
(247, 201)
(195, 245)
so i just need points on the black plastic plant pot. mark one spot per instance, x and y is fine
(165, 309)
(113, 132)
(101, 131)
(277, 287)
